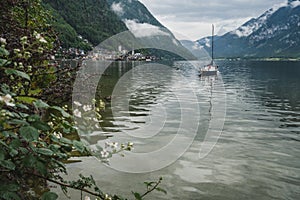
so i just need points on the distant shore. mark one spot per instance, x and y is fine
(260, 59)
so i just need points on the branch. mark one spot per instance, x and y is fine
(67, 185)
(153, 188)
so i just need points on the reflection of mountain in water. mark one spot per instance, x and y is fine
(144, 91)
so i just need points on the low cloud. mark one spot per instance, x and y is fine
(117, 8)
(193, 18)
(144, 29)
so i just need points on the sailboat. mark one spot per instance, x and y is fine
(210, 69)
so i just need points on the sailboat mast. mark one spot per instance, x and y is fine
(212, 44)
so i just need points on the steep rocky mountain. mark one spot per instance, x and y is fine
(276, 33)
(80, 22)
(143, 24)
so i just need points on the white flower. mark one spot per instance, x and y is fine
(102, 104)
(106, 197)
(113, 145)
(10, 104)
(50, 124)
(87, 198)
(42, 40)
(23, 39)
(17, 51)
(7, 99)
(104, 154)
(58, 135)
(87, 108)
(97, 126)
(37, 35)
(2, 40)
(130, 144)
(77, 113)
(40, 49)
(77, 103)
(95, 120)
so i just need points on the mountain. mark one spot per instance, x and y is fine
(143, 24)
(133, 10)
(276, 33)
(83, 22)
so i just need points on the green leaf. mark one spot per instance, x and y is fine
(44, 151)
(20, 105)
(18, 73)
(18, 122)
(63, 156)
(29, 133)
(7, 195)
(35, 92)
(41, 126)
(60, 165)
(161, 190)
(23, 115)
(28, 100)
(8, 164)
(40, 104)
(15, 144)
(3, 62)
(137, 196)
(41, 167)
(65, 130)
(54, 139)
(5, 134)
(149, 183)
(65, 140)
(13, 152)
(79, 146)
(2, 154)
(23, 150)
(3, 143)
(64, 113)
(3, 52)
(54, 148)
(49, 196)
(33, 118)
(9, 187)
(29, 161)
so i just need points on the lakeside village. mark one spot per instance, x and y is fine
(104, 54)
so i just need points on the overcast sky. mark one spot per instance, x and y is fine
(192, 19)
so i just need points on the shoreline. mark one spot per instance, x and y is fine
(260, 59)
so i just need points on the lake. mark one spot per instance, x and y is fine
(234, 136)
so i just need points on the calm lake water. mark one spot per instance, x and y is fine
(257, 155)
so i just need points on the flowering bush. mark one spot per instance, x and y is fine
(32, 145)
